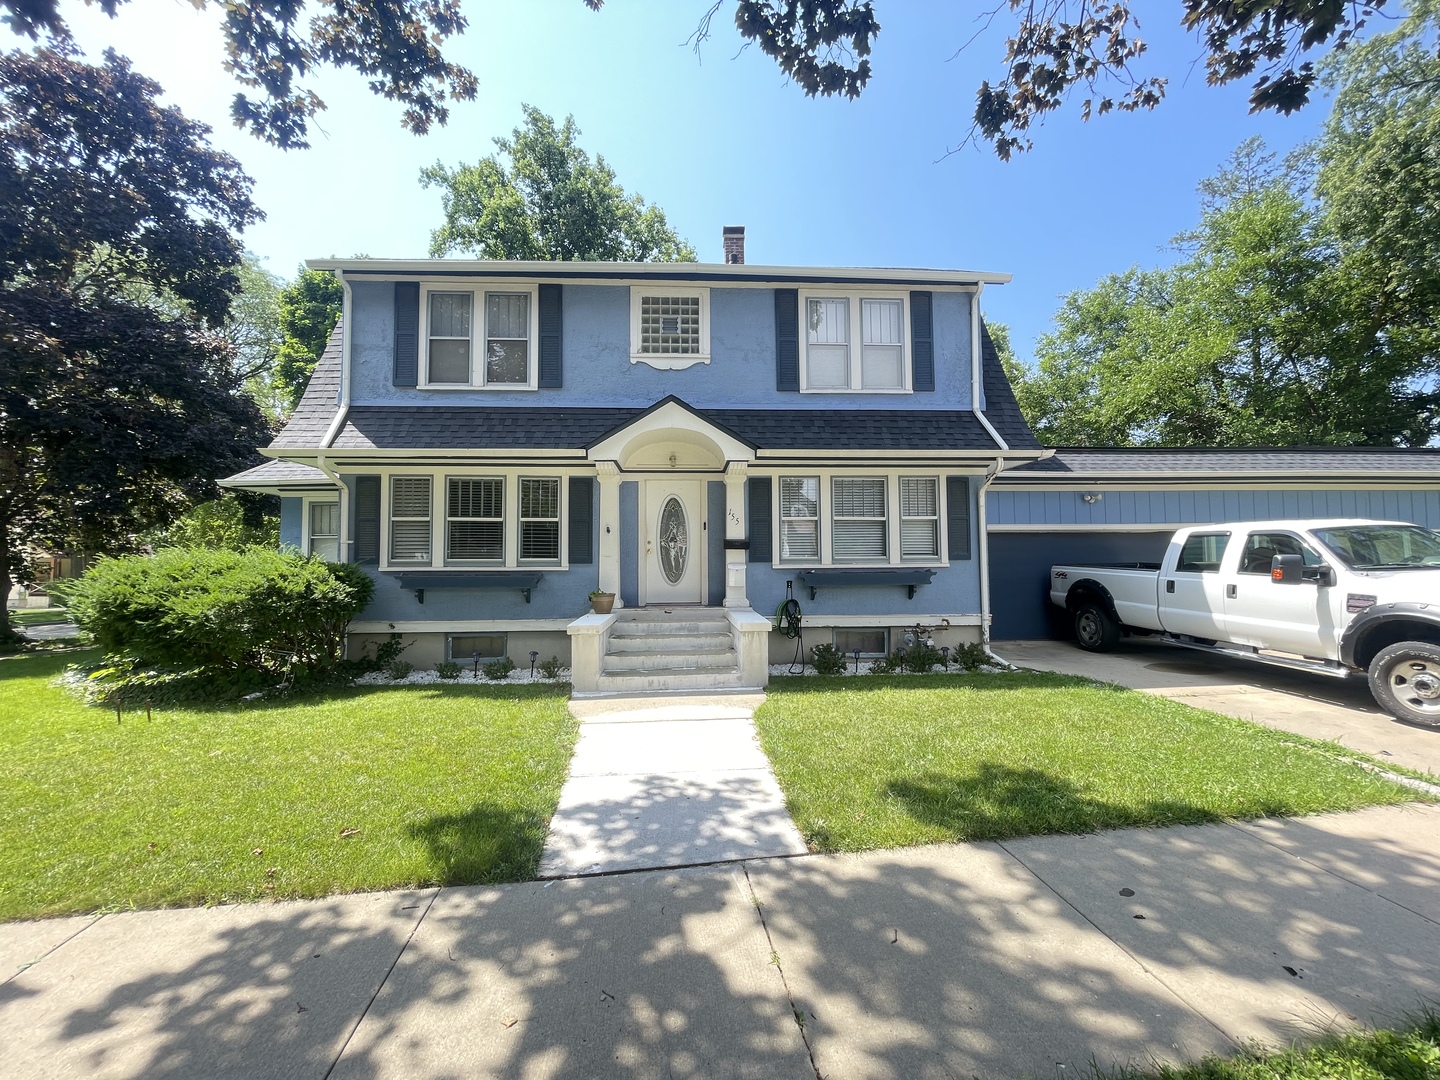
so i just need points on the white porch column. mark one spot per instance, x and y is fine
(735, 560)
(607, 474)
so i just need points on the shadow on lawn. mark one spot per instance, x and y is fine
(482, 846)
(782, 685)
(997, 802)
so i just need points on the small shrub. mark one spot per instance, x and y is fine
(921, 658)
(448, 669)
(551, 668)
(827, 660)
(496, 670)
(399, 669)
(971, 656)
(388, 651)
(887, 665)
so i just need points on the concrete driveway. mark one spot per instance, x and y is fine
(1337, 710)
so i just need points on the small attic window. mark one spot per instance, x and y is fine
(670, 329)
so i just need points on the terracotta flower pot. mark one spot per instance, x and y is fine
(603, 603)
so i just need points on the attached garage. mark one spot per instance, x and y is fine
(1120, 506)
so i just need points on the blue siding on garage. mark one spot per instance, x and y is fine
(1141, 507)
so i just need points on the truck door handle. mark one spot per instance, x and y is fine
(1169, 586)
(1230, 592)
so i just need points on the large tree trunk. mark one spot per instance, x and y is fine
(10, 638)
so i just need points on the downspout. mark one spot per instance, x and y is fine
(990, 474)
(976, 361)
(342, 409)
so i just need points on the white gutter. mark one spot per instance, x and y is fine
(343, 404)
(975, 368)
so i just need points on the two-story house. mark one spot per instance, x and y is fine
(496, 440)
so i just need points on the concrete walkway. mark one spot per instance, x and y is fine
(1337, 710)
(667, 781)
(1027, 958)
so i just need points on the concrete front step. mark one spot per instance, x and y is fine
(668, 628)
(662, 679)
(670, 660)
(641, 643)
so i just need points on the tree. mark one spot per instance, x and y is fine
(394, 43)
(1277, 328)
(547, 200)
(115, 412)
(309, 307)
(1055, 48)
(253, 331)
(233, 522)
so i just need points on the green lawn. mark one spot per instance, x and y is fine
(39, 616)
(1409, 1053)
(887, 762)
(444, 785)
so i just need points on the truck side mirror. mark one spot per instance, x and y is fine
(1287, 569)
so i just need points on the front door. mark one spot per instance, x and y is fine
(674, 538)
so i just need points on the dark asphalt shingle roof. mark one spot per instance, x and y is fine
(278, 473)
(1332, 461)
(315, 412)
(1001, 408)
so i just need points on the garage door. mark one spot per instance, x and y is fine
(1020, 574)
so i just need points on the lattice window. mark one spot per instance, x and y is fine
(670, 325)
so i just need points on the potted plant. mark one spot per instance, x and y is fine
(602, 602)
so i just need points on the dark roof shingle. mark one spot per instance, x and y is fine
(316, 411)
(1096, 462)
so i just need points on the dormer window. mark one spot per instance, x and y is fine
(854, 343)
(669, 327)
(479, 339)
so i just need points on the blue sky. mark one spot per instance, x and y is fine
(723, 139)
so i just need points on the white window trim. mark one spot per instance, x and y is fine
(505, 484)
(659, 360)
(559, 519)
(892, 519)
(920, 560)
(305, 504)
(439, 511)
(478, 289)
(855, 296)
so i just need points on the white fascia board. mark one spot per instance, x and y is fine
(1210, 481)
(619, 273)
(980, 457)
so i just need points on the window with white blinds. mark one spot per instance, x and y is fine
(325, 531)
(410, 519)
(540, 519)
(858, 529)
(800, 519)
(475, 519)
(919, 517)
(854, 343)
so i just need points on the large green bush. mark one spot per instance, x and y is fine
(260, 611)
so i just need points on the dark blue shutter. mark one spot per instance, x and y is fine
(761, 549)
(582, 519)
(367, 519)
(787, 342)
(922, 333)
(407, 333)
(551, 337)
(957, 495)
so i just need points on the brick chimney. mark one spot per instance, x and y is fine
(734, 239)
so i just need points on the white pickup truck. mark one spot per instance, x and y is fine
(1336, 597)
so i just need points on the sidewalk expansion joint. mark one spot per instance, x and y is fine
(1184, 1001)
(795, 1010)
(624, 870)
(381, 986)
(50, 951)
(1332, 872)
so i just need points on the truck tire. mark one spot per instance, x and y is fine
(1095, 630)
(1405, 679)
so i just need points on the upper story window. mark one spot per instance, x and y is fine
(669, 327)
(854, 344)
(479, 339)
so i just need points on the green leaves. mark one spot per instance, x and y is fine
(309, 308)
(543, 198)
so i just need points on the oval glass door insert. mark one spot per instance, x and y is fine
(674, 540)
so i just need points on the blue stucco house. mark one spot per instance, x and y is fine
(494, 441)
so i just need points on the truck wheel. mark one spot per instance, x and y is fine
(1405, 679)
(1095, 630)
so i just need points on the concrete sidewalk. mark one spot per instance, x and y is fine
(992, 960)
(667, 781)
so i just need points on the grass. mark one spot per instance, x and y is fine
(888, 762)
(445, 785)
(1410, 1053)
(39, 616)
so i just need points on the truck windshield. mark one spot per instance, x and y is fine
(1383, 547)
